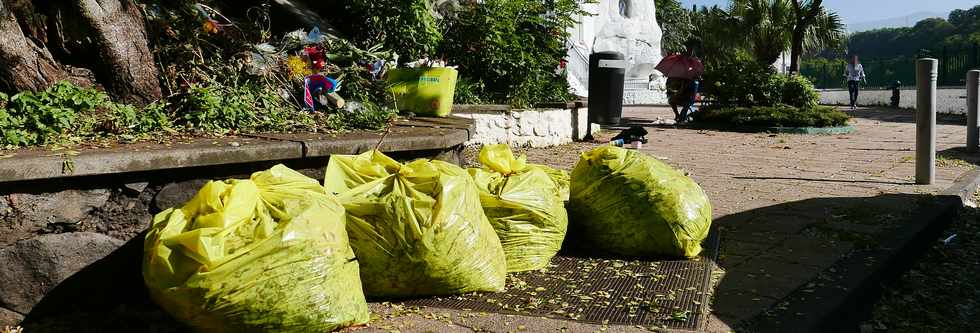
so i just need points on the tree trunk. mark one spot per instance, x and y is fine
(804, 18)
(796, 51)
(127, 69)
(104, 36)
(24, 65)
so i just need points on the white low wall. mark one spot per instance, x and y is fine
(644, 97)
(523, 128)
(948, 100)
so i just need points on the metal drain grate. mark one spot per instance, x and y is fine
(665, 294)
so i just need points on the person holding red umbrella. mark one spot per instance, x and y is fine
(683, 72)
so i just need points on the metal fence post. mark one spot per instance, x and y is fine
(976, 55)
(943, 67)
(972, 104)
(925, 120)
(825, 82)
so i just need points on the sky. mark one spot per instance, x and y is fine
(858, 11)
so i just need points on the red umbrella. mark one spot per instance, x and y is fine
(680, 66)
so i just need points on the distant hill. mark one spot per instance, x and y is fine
(895, 22)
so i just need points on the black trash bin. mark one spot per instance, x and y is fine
(607, 72)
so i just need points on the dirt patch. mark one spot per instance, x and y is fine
(125, 216)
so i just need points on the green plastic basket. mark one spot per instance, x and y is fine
(424, 91)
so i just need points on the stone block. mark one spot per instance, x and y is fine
(502, 121)
(31, 268)
(176, 194)
(135, 188)
(528, 120)
(537, 128)
(69, 206)
(9, 318)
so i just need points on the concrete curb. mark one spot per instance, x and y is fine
(842, 305)
(813, 130)
(964, 186)
(36, 165)
(419, 134)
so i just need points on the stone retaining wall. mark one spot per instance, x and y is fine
(59, 229)
(527, 128)
(948, 100)
(644, 97)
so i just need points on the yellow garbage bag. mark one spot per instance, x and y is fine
(418, 228)
(629, 203)
(525, 207)
(560, 177)
(267, 254)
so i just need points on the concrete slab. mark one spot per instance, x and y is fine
(41, 164)
(732, 306)
(768, 277)
(416, 134)
(401, 138)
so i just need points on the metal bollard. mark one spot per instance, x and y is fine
(925, 120)
(972, 104)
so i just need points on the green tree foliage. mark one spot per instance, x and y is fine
(743, 82)
(406, 27)
(764, 28)
(966, 21)
(509, 50)
(960, 30)
(799, 92)
(718, 35)
(814, 28)
(824, 72)
(767, 27)
(675, 21)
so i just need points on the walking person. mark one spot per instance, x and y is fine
(855, 75)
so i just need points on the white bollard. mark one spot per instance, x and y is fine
(925, 120)
(972, 104)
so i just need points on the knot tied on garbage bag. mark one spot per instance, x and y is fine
(269, 253)
(499, 158)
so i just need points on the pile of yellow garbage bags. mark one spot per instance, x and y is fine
(281, 252)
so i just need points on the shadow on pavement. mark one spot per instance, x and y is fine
(816, 265)
(881, 149)
(959, 155)
(627, 122)
(106, 296)
(901, 116)
(827, 180)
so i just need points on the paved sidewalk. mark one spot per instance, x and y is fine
(789, 207)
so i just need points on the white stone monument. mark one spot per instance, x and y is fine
(625, 26)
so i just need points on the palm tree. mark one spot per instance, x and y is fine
(770, 27)
(815, 28)
(765, 25)
(716, 32)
